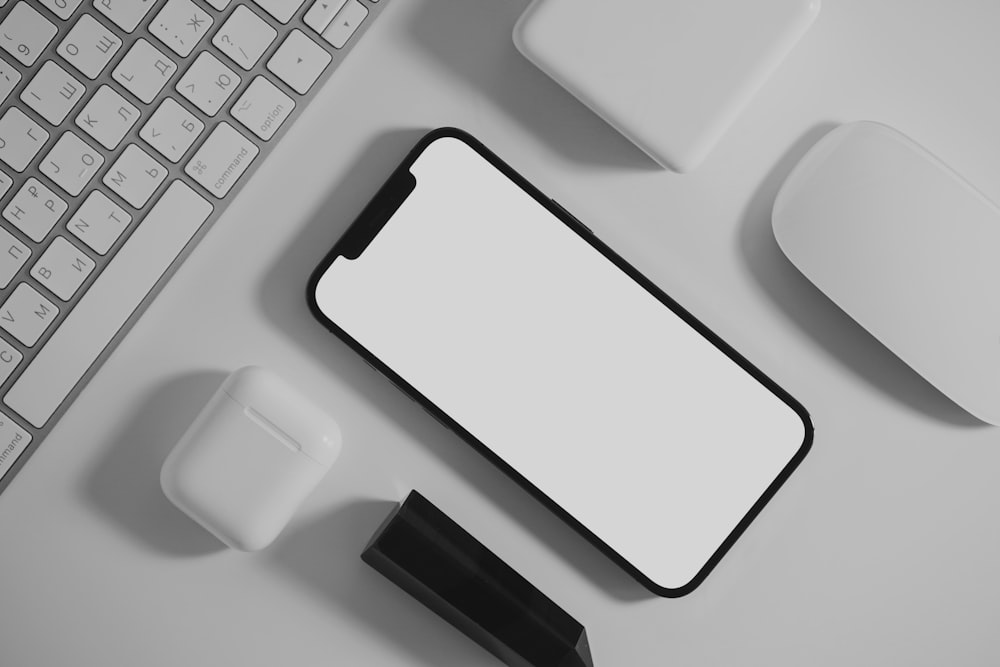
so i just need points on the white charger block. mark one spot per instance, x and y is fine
(250, 458)
(670, 75)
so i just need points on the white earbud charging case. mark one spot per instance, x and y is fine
(250, 458)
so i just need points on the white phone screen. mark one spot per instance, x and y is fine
(555, 359)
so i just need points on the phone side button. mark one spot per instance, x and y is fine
(571, 216)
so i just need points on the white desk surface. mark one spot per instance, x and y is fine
(882, 549)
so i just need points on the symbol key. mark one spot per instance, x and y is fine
(208, 83)
(244, 37)
(180, 25)
(171, 130)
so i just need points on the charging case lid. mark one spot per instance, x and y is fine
(671, 75)
(285, 413)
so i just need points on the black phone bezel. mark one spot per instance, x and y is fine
(371, 220)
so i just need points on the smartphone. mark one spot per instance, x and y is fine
(512, 324)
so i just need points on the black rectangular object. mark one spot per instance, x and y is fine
(435, 560)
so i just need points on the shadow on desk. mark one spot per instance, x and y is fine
(821, 319)
(323, 556)
(125, 483)
(463, 37)
(282, 299)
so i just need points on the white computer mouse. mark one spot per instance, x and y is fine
(906, 247)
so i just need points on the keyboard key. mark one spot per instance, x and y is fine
(107, 117)
(244, 37)
(93, 215)
(107, 304)
(180, 25)
(262, 108)
(26, 314)
(89, 46)
(9, 359)
(208, 83)
(321, 13)
(62, 268)
(98, 222)
(345, 23)
(52, 92)
(20, 139)
(282, 10)
(299, 61)
(71, 163)
(34, 210)
(9, 78)
(61, 8)
(135, 176)
(171, 130)
(126, 14)
(25, 33)
(221, 160)
(13, 255)
(5, 183)
(13, 441)
(144, 70)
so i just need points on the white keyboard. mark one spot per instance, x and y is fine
(125, 127)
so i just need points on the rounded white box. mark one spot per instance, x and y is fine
(250, 458)
(671, 75)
